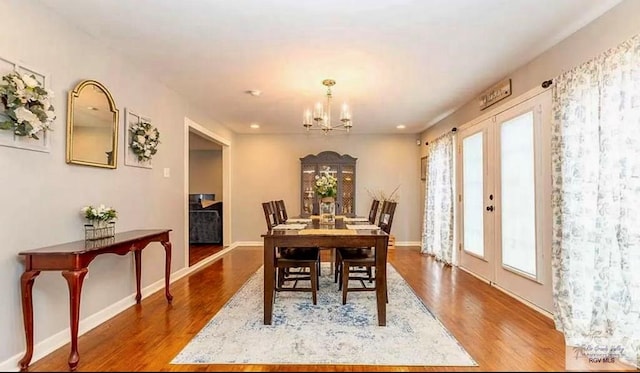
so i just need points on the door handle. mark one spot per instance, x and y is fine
(489, 208)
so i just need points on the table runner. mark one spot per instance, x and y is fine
(333, 232)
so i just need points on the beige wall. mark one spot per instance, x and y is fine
(205, 172)
(43, 195)
(613, 27)
(267, 167)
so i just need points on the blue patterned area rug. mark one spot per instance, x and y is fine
(327, 333)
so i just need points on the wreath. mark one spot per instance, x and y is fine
(144, 140)
(26, 105)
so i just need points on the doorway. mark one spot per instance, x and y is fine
(504, 179)
(206, 187)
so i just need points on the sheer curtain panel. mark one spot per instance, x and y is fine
(437, 232)
(596, 202)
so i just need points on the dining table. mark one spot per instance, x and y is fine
(312, 232)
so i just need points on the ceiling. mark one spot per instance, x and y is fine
(394, 61)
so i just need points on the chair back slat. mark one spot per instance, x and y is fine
(373, 211)
(386, 216)
(281, 211)
(270, 215)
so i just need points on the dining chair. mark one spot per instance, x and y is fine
(349, 258)
(281, 211)
(373, 212)
(288, 258)
(281, 218)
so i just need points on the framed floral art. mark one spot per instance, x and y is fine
(142, 140)
(27, 114)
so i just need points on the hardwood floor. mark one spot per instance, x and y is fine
(197, 252)
(500, 333)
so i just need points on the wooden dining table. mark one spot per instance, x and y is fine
(326, 236)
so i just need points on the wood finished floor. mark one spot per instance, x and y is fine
(198, 252)
(500, 333)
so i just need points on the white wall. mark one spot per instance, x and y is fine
(42, 195)
(267, 167)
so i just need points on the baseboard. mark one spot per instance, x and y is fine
(249, 243)
(408, 243)
(61, 338)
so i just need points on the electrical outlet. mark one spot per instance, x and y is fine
(167, 172)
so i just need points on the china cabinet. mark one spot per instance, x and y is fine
(343, 167)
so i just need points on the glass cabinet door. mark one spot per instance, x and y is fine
(343, 167)
(308, 178)
(347, 181)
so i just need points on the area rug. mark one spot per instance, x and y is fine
(326, 333)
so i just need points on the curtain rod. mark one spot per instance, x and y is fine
(454, 129)
(545, 84)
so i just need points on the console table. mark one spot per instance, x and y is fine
(72, 259)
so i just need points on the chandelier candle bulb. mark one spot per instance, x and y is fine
(318, 112)
(307, 118)
(345, 115)
(322, 116)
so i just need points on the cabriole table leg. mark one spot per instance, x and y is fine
(26, 285)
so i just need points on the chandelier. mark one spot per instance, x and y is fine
(320, 119)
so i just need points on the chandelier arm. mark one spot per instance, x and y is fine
(322, 118)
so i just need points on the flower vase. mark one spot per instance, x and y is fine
(98, 229)
(98, 224)
(327, 210)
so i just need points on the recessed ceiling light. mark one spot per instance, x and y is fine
(92, 108)
(254, 92)
(254, 126)
(401, 126)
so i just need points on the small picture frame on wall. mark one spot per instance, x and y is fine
(423, 168)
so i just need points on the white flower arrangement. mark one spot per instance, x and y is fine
(100, 213)
(144, 140)
(26, 105)
(326, 185)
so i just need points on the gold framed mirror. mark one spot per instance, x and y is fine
(92, 126)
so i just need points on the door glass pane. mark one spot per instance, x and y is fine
(472, 176)
(518, 194)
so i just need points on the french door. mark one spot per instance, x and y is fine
(504, 184)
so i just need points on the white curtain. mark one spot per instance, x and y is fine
(437, 232)
(596, 202)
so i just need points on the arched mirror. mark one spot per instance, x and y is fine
(92, 126)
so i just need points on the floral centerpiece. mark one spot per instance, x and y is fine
(144, 140)
(326, 185)
(26, 105)
(101, 222)
(99, 214)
